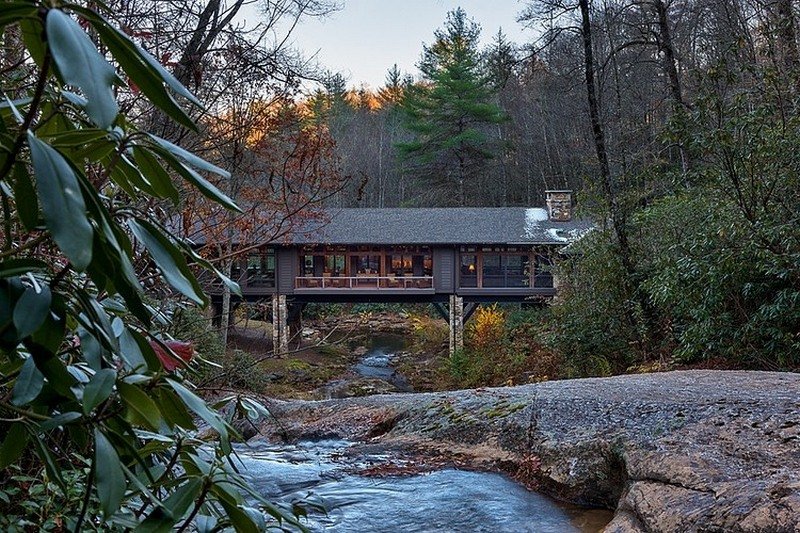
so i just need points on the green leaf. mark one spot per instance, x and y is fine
(110, 478)
(194, 403)
(189, 157)
(74, 138)
(206, 188)
(28, 385)
(31, 310)
(108, 32)
(183, 497)
(14, 444)
(62, 203)
(51, 366)
(177, 505)
(98, 389)
(61, 420)
(169, 260)
(158, 177)
(141, 405)
(15, 267)
(53, 471)
(81, 65)
(173, 409)
(240, 520)
(25, 198)
(32, 37)
(140, 71)
(16, 11)
(130, 351)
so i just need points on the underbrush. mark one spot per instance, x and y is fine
(504, 346)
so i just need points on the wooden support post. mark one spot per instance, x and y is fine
(280, 330)
(469, 309)
(456, 323)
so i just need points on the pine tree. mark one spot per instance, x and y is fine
(450, 112)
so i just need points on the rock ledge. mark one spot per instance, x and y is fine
(675, 451)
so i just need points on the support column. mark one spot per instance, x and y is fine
(456, 323)
(280, 331)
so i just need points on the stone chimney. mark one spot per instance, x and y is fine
(559, 205)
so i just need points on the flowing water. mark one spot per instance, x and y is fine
(378, 361)
(446, 500)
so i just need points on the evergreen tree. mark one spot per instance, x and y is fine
(450, 113)
(392, 91)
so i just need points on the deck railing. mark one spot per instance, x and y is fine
(365, 282)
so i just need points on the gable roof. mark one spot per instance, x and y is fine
(438, 226)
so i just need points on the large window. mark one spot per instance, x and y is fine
(505, 270)
(366, 266)
(261, 268)
(494, 267)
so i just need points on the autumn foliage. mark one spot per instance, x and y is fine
(487, 329)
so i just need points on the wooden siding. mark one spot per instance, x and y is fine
(444, 269)
(287, 264)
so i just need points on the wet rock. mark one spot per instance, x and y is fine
(677, 451)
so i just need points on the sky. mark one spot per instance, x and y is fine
(365, 38)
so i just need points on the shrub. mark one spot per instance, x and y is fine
(86, 405)
(430, 334)
(486, 331)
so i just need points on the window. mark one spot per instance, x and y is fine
(402, 264)
(505, 270)
(261, 268)
(542, 270)
(368, 265)
(334, 265)
(468, 271)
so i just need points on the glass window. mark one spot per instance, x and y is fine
(542, 270)
(402, 264)
(261, 268)
(468, 271)
(334, 265)
(369, 264)
(492, 271)
(505, 270)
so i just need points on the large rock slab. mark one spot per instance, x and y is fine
(675, 451)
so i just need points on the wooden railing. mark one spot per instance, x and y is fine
(365, 282)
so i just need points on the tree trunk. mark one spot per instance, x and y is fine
(594, 110)
(666, 47)
(617, 215)
(225, 315)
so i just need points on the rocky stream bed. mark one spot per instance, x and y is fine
(678, 451)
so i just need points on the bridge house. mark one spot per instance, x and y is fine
(454, 258)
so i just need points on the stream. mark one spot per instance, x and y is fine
(377, 362)
(333, 473)
(447, 500)
(374, 372)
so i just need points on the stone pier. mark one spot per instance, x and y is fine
(280, 329)
(456, 323)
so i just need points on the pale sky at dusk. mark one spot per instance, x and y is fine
(366, 37)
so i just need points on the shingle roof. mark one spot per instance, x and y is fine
(450, 225)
